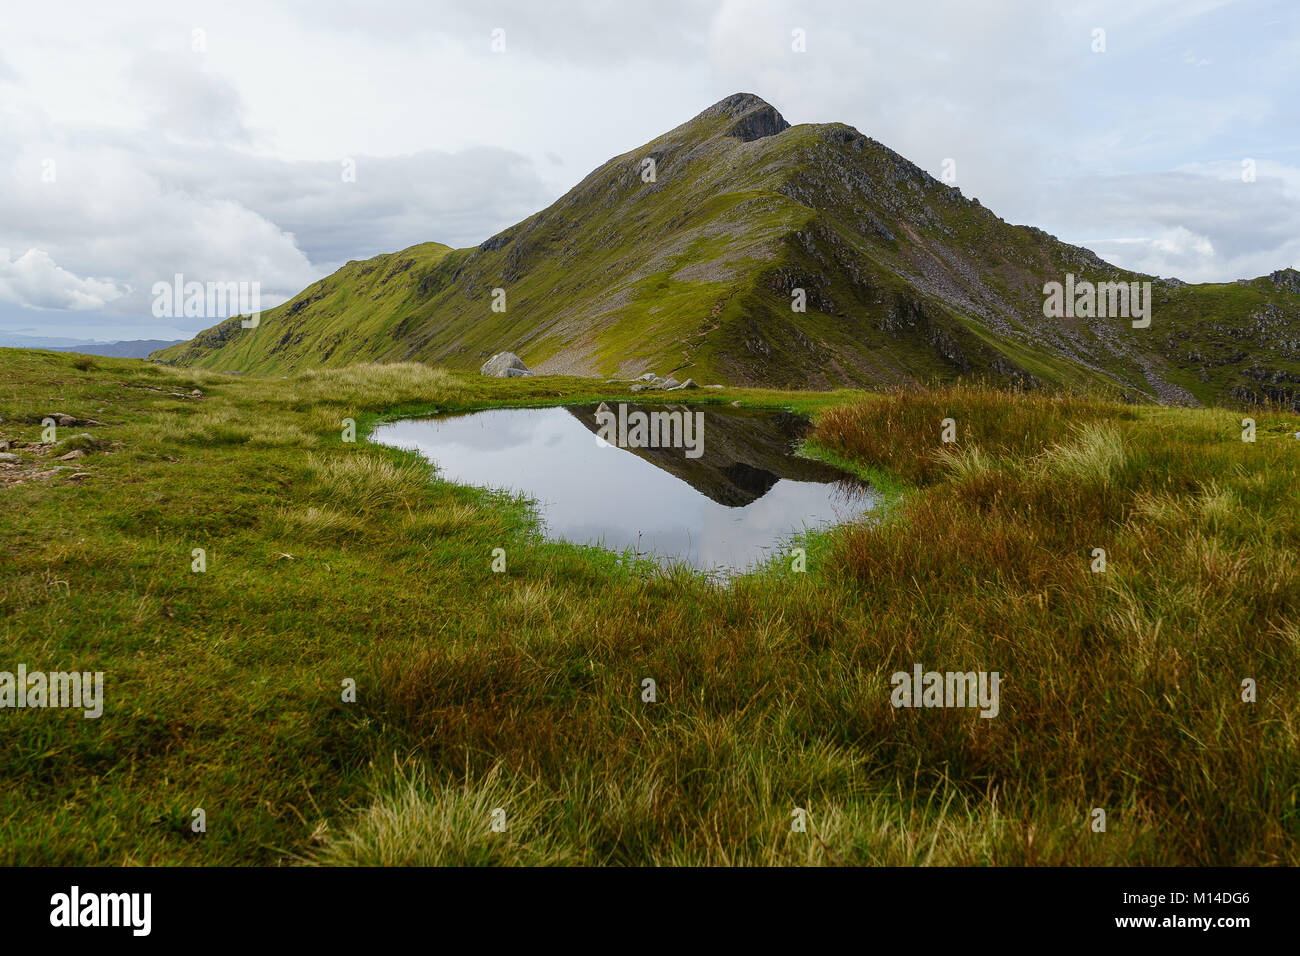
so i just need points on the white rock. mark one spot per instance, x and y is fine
(504, 365)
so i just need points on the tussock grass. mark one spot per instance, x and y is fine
(316, 522)
(330, 561)
(276, 433)
(448, 519)
(400, 383)
(1092, 460)
(901, 432)
(368, 481)
(417, 822)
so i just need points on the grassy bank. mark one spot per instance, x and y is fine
(329, 561)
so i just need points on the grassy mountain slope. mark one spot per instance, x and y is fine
(906, 280)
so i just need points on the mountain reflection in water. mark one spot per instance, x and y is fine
(725, 511)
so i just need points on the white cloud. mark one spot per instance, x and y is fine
(1200, 224)
(35, 281)
(143, 205)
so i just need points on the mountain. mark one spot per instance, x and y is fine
(693, 270)
(17, 340)
(135, 348)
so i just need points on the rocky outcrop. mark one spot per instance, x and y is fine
(755, 118)
(1287, 280)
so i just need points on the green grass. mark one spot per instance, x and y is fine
(329, 561)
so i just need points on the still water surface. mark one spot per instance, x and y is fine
(724, 511)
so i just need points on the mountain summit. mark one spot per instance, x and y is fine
(755, 118)
(741, 249)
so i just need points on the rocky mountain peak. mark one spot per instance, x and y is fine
(754, 117)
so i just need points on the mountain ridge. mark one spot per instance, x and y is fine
(691, 263)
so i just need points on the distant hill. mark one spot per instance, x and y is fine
(137, 348)
(693, 271)
(16, 340)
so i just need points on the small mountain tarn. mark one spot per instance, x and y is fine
(737, 248)
(736, 503)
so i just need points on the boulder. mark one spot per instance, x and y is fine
(504, 365)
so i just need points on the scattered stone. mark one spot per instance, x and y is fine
(669, 382)
(77, 476)
(64, 420)
(735, 404)
(504, 365)
(715, 386)
(75, 453)
(198, 393)
(7, 456)
(648, 377)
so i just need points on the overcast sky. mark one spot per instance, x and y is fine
(142, 139)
